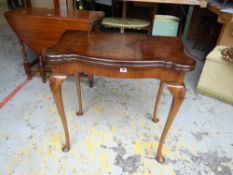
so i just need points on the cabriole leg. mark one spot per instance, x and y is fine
(55, 82)
(178, 92)
(78, 89)
(160, 91)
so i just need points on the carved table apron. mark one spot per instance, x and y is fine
(119, 56)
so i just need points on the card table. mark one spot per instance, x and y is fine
(115, 55)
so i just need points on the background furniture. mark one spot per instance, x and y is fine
(12, 4)
(165, 25)
(111, 4)
(207, 34)
(226, 19)
(39, 28)
(130, 23)
(216, 79)
(201, 3)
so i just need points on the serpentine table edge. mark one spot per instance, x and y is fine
(119, 56)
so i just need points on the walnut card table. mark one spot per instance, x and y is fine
(119, 56)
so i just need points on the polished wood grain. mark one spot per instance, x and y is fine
(123, 56)
(39, 28)
(114, 49)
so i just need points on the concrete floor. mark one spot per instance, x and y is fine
(115, 135)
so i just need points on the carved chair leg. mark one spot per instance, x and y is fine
(90, 78)
(42, 70)
(178, 92)
(55, 83)
(78, 89)
(160, 91)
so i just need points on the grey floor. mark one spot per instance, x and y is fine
(115, 135)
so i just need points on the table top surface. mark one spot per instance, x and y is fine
(39, 28)
(51, 13)
(114, 49)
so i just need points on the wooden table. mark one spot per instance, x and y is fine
(119, 56)
(39, 28)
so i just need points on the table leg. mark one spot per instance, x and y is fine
(90, 79)
(124, 12)
(78, 89)
(42, 69)
(187, 23)
(55, 82)
(160, 91)
(26, 63)
(178, 92)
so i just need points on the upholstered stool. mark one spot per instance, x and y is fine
(217, 77)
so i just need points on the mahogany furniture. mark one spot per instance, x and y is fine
(39, 28)
(225, 17)
(119, 56)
